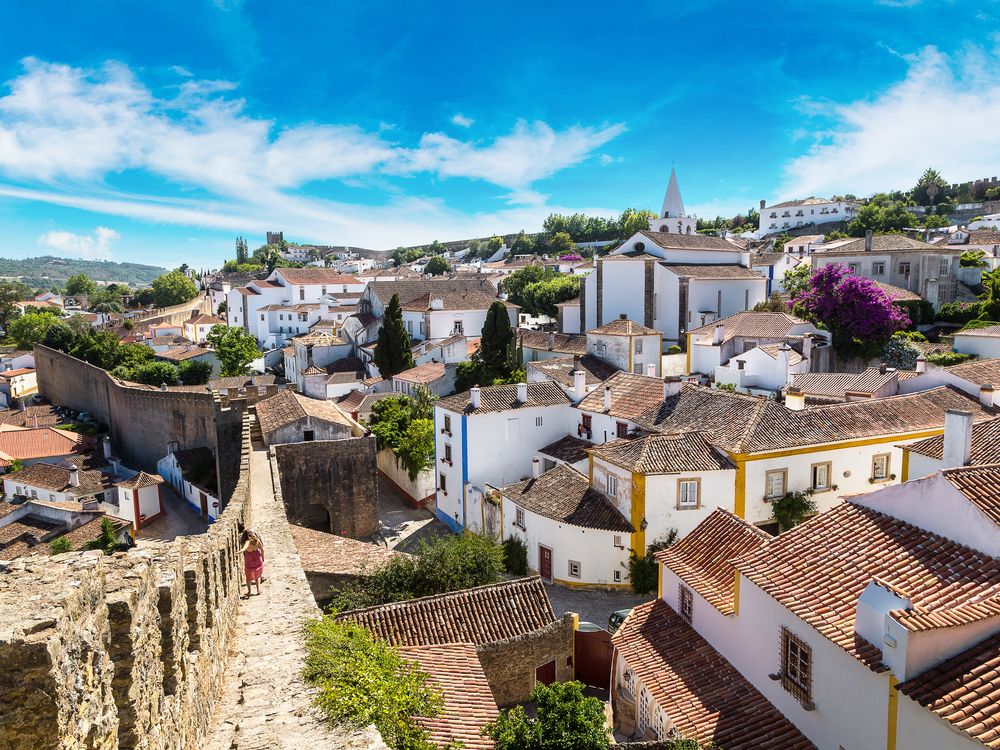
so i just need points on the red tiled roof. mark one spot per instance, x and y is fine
(564, 343)
(455, 671)
(504, 397)
(426, 373)
(623, 327)
(702, 694)
(322, 552)
(43, 442)
(985, 444)
(704, 558)
(763, 325)
(560, 369)
(287, 407)
(7, 374)
(302, 276)
(483, 614)
(663, 454)
(980, 484)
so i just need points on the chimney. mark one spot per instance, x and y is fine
(868, 241)
(795, 399)
(607, 398)
(522, 393)
(622, 316)
(986, 394)
(552, 340)
(762, 204)
(579, 383)
(163, 386)
(807, 345)
(957, 438)
(106, 446)
(474, 396)
(882, 368)
(651, 370)
(437, 304)
(74, 476)
(719, 334)
(671, 386)
(921, 363)
(536, 467)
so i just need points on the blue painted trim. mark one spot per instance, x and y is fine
(465, 462)
(448, 521)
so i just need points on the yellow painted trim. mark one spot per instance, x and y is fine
(659, 581)
(740, 496)
(818, 447)
(687, 364)
(590, 468)
(736, 593)
(893, 717)
(638, 513)
(592, 586)
(904, 472)
(576, 620)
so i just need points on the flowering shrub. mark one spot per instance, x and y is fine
(860, 315)
(571, 257)
(900, 353)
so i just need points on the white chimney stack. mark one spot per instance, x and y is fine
(552, 340)
(719, 334)
(986, 394)
(437, 304)
(536, 467)
(607, 398)
(957, 438)
(474, 396)
(795, 399)
(74, 476)
(921, 363)
(651, 370)
(522, 393)
(671, 386)
(106, 446)
(579, 379)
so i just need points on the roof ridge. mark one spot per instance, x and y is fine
(516, 582)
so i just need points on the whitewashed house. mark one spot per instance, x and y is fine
(763, 370)
(192, 474)
(800, 213)
(983, 342)
(196, 329)
(626, 345)
(964, 443)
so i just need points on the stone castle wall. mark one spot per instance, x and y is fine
(177, 314)
(127, 651)
(331, 485)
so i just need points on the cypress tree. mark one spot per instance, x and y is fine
(497, 347)
(392, 349)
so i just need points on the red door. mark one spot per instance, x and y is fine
(545, 562)
(546, 674)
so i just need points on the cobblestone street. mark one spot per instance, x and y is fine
(592, 606)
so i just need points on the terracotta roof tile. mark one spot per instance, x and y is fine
(560, 369)
(564, 343)
(623, 327)
(980, 484)
(663, 454)
(422, 374)
(287, 407)
(880, 243)
(322, 552)
(140, 480)
(483, 614)
(569, 449)
(836, 384)
(985, 444)
(702, 694)
(704, 558)
(690, 241)
(564, 494)
(302, 276)
(455, 671)
(56, 478)
(979, 371)
(631, 395)
(755, 325)
(44, 442)
(713, 271)
(504, 398)
(455, 294)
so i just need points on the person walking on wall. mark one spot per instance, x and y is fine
(253, 559)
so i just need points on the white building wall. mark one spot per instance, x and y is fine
(718, 490)
(920, 729)
(985, 347)
(624, 290)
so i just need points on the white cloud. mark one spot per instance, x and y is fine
(462, 121)
(944, 114)
(90, 247)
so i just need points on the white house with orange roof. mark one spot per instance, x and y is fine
(626, 345)
(196, 329)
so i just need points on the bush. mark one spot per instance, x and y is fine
(674, 349)
(107, 540)
(900, 353)
(446, 564)
(59, 545)
(920, 311)
(515, 556)
(565, 719)
(792, 508)
(363, 680)
(958, 312)
(972, 259)
(947, 359)
(643, 572)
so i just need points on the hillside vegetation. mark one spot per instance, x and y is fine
(47, 270)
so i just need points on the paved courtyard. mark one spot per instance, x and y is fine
(179, 519)
(592, 606)
(400, 524)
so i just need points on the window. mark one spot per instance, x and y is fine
(904, 269)
(447, 423)
(458, 328)
(746, 299)
(443, 483)
(637, 368)
(638, 346)
(409, 326)
(854, 267)
(588, 423)
(302, 293)
(447, 452)
(322, 291)
(574, 569)
(519, 518)
(618, 541)
(308, 435)
(748, 345)
(821, 476)
(538, 421)
(612, 485)
(621, 429)
(688, 493)
(878, 268)
(618, 576)
(685, 601)
(643, 711)
(943, 267)
(796, 667)
(629, 680)
(880, 466)
(601, 349)
(421, 328)
(262, 316)
(775, 483)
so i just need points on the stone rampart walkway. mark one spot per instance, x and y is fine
(265, 703)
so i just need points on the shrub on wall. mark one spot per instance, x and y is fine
(515, 556)
(643, 571)
(958, 312)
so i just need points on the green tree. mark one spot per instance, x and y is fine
(936, 222)
(565, 719)
(222, 309)
(632, 220)
(643, 572)
(522, 244)
(242, 252)
(541, 297)
(80, 285)
(31, 328)
(59, 545)
(437, 266)
(497, 343)
(59, 336)
(973, 259)
(173, 288)
(361, 681)
(11, 292)
(133, 355)
(149, 373)
(561, 244)
(880, 216)
(796, 281)
(405, 425)
(516, 282)
(144, 297)
(107, 540)
(393, 354)
(234, 348)
(99, 348)
(435, 248)
(930, 188)
(792, 508)
(194, 372)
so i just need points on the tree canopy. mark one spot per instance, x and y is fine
(437, 266)
(79, 284)
(565, 719)
(173, 288)
(405, 425)
(31, 328)
(393, 354)
(234, 348)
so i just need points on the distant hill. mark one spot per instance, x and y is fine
(48, 270)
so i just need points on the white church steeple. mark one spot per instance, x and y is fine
(672, 217)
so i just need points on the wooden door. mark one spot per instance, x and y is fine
(545, 563)
(204, 505)
(546, 674)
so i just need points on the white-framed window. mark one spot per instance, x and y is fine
(943, 267)
(447, 423)
(612, 485)
(574, 569)
(618, 576)
(685, 601)
(409, 326)
(629, 681)
(688, 493)
(643, 711)
(880, 466)
(519, 518)
(538, 421)
(821, 476)
(904, 269)
(878, 268)
(637, 368)
(421, 328)
(638, 346)
(854, 267)
(618, 541)
(775, 482)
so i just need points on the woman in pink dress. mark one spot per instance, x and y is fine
(253, 559)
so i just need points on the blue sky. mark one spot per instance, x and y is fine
(157, 132)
